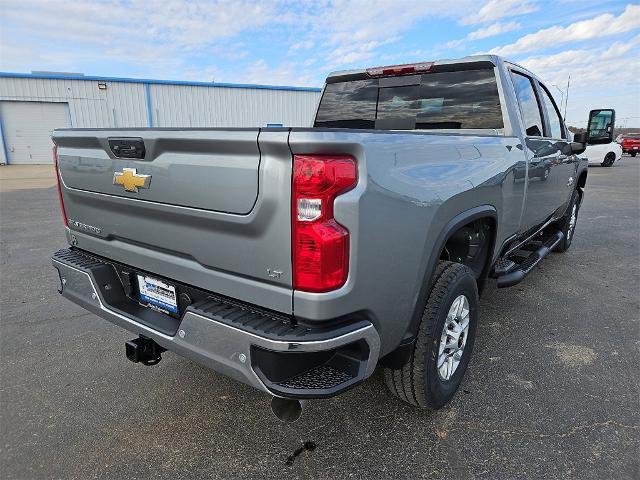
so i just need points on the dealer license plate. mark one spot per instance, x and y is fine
(157, 294)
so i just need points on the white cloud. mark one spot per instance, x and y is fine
(152, 38)
(589, 67)
(493, 30)
(364, 20)
(260, 72)
(455, 44)
(304, 45)
(352, 30)
(206, 74)
(136, 32)
(497, 9)
(600, 78)
(342, 55)
(600, 26)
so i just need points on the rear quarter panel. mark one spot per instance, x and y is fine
(410, 186)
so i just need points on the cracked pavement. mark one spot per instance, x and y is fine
(552, 390)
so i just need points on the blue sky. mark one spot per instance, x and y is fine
(298, 43)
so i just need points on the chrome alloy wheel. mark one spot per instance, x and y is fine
(453, 338)
(572, 222)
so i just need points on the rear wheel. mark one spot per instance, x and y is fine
(568, 222)
(633, 154)
(446, 334)
(609, 159)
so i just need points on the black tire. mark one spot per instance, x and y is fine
(419, 383)
(633, 154)
(609, 159)
(565, 223)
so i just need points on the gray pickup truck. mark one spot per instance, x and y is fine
(296, 260)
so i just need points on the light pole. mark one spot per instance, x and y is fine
(561, 93)
(566, 100)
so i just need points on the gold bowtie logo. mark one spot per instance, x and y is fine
(131, 180)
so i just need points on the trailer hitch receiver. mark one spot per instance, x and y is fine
(144, 350)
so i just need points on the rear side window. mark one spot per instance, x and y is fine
(528, 105)
(447, 100)
(555, 124)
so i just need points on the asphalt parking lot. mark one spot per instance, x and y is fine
(552, 391)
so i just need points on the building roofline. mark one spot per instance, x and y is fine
(149, 81)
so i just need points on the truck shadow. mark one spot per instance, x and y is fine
(207, 419)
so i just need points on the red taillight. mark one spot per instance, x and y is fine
(320, 244)
(59, 182)
(405, 69)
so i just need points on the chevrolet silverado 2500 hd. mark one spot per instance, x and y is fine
(298, 259)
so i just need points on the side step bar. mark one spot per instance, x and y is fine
(511, 271)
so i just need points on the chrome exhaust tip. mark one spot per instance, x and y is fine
(287, 409)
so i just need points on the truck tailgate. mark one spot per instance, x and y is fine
(207, 207)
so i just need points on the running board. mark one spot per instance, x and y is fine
(511, 271)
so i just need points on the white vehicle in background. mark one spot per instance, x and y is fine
(605, 154)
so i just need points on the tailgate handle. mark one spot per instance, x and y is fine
(127, 147)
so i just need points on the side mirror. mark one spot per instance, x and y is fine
(580, 137)
(600, 126)
(579, 144)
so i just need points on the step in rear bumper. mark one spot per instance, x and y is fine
(226, 343)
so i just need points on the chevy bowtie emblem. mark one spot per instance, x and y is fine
(131, 180)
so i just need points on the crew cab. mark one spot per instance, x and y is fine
(297, 260)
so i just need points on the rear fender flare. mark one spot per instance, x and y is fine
(476, 213)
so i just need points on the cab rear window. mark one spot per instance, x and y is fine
(447, 100)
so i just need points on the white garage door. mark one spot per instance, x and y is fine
(27, 127)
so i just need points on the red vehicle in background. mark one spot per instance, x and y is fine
(630, 143)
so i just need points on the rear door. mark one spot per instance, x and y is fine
(206, 207)
(556, 133)
(547, 172)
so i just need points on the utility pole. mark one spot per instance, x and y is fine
(566, 100)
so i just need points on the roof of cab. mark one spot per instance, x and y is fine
(495, 59)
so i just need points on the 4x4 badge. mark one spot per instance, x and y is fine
(131, 180)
